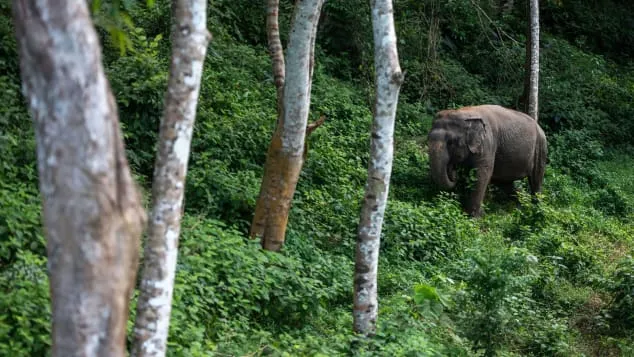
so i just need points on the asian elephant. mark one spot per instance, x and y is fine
(504, 145)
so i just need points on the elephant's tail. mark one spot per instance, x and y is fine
(541, 159)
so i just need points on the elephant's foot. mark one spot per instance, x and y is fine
(475, 212)
(510, 191)
(534, 199)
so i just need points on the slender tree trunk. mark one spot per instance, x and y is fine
(285, 154)
(276, 51)
(531, 80)
(388, 83)
(189, 46)
(92, 211)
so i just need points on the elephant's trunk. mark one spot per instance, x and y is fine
(442, 172)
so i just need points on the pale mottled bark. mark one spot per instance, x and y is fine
(533, 94)
(285, 154)
(189, 46)
(388, 79)
(299, 70)
(92, 213)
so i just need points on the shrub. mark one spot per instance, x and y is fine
(430, 232)
(576, 152)
(612, 201)
(410, 180)
(20, 225)
(621, 285)
(25, 324)
(496, 308)
(226, 285)
(139, 81)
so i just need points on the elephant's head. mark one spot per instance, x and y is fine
(452, 140)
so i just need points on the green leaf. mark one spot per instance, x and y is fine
(95, 6)
(424, 292)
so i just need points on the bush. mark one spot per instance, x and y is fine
(575, 153)
(497, 308)
(139, 81)
(226, 285)
(25, 323)
(410, 181)
(20, 223)
(612, 201)
(508, 282)
(497, 299)
(621, 308)
(429, 232)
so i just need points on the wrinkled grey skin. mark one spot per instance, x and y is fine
(504, 145)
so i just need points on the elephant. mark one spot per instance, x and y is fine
(502, 144)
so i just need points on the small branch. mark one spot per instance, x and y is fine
(312, 126)
(498, 29)
(309, 130)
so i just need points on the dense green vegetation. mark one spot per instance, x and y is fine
(550, 280)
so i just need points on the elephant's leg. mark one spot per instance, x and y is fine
(535, 181)
(477, 195)
(509, 189)
(535, 184)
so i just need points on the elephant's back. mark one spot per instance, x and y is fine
(517, 137)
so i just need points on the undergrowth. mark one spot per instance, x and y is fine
(553, 279)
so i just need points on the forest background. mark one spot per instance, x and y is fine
(550, 280)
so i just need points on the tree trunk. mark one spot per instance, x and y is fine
(285, 154)
(92, 213)
(388, 83)
(531, 80)
(276, 51)
(189, 46)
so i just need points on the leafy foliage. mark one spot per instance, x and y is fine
(26, 312)
(431, 232)
(547, 279)
(622, 286)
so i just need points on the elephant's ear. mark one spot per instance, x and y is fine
(476, 130)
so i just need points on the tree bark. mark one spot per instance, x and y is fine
(388, 77)
(276, 51)
(275, 48)
(531, 80)
(92, 213)
(189, 46)
(285, 154)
